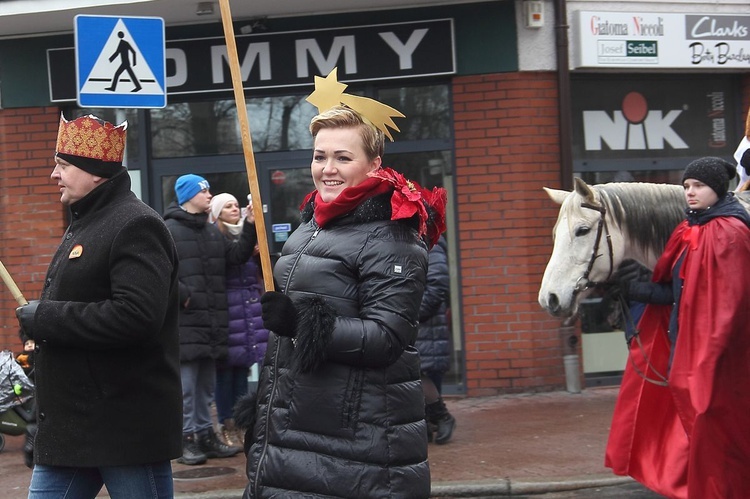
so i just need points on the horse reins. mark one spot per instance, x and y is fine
(583, 282)
(661, 380)
(603, 229)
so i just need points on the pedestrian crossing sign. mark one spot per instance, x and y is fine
(120, 61)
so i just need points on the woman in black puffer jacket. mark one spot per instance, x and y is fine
(340, 408)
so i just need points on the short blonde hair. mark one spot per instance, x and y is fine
(373, 139)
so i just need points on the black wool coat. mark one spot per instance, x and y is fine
(204, 254)
(340, 410)
(108, 388)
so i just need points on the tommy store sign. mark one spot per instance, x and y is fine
(661, 40)
(291, 59)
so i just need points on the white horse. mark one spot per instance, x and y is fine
(598, 227)
(601, 225)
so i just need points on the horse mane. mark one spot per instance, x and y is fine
(648, 212)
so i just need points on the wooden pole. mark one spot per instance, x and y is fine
(247, 144)
(8, 280)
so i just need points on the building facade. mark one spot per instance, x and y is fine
(501, 98)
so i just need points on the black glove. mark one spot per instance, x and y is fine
(279, 313)
(25, 315)
(631, 270)
(626, 276)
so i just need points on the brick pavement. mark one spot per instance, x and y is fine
(531, 438)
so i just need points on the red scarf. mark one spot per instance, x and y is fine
(346, 201)
(408, 199)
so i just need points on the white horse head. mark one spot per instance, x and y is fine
(597, 228)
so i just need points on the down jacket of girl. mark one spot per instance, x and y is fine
(247, 336)
(340, 408)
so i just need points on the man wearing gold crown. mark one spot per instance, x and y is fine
(340, 409)
(108, 392)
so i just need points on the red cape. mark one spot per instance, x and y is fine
(691, 439)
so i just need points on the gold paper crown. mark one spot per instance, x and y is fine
(92, 137)
(329, 92)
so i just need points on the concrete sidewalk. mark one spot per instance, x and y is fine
(502, 446)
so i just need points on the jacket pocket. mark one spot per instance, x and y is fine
(327, 402)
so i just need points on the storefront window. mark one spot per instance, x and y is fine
(426, 168)
(427, 111)
(210, 128)
(281, 123)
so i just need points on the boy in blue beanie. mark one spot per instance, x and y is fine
(188, 186)
(204, 254)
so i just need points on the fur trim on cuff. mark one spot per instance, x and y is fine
(315, 323)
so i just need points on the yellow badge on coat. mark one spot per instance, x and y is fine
(76, 252)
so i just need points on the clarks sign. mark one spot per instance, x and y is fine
(289, 59)
(658, 40)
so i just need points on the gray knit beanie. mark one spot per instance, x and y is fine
(712, 171)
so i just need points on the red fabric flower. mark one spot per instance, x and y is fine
(409, 199)
(436, 199)
(406, 200)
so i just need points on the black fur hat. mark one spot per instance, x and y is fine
(714, 172)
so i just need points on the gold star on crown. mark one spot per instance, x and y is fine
(329, 92)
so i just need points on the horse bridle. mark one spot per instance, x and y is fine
(583, 282)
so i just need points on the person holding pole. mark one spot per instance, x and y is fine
(106, 361)
(340, 407)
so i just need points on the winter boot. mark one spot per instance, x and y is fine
(231, 435)
(438, 415)
(430, 431)
(191, 452)
(212, 446)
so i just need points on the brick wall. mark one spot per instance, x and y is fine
(507, 149)
(31, 216)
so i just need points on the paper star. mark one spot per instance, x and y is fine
(327, 92)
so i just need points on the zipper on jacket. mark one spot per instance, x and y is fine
(272, 396)
(294, 266)
(299, 255)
